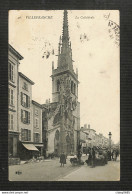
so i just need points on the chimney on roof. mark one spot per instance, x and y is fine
(85, 126)
(88, 126)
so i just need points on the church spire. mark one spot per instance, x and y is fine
(64, 48)
(65, 33)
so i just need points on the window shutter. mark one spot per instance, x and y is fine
(29, 135)
(28, 99)
(28, 117)
(12, 72)
(9, 95)
(38, 123)
(11, 122)
(9, 71)
(22, 134)
(21, 115)
(8, 121)
(21, 98)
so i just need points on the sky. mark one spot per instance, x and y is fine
(95, 51)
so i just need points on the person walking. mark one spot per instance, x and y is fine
(93, 158)
(62, 159)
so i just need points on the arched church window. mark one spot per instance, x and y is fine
(72, 86)
(58, 85)
(57, 135)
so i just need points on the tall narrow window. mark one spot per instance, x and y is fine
(11, 96)
(8, 121)
(58, 85)
(11, 72)
(25, 135)
(36, 123)
(11, 122)
(25, 100)
(72, 86)
(25, 116)
(8, 95)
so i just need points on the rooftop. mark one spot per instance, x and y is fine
(36, 104)
(15, 52)
(26, 78)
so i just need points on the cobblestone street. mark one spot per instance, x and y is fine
(47, 170)
(109, 172)
(50, 170)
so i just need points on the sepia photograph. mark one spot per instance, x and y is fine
(64, 95)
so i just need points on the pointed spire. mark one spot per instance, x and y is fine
(64, 47)
(65, 33)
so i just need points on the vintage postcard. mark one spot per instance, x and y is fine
(64, 95)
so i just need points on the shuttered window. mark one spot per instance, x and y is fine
(11, 72)
(11, 96)
(25, 116)
(8, 95)
(36, 122)
(25, 100)
(28, 117)
(29, 135)
(10, 122)
(25, 135)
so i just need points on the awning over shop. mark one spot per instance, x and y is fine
(39, 145)
(30, 147)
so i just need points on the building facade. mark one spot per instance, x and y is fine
(89, 138)
(24, 114)
(64, 111)
(25, 118)
(13, 130)
(37, 126)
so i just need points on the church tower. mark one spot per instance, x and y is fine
(65, 64)
(64, 123)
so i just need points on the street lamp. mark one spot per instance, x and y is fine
(110, 134)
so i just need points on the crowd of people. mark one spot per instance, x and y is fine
(101, 156)
(96, 156)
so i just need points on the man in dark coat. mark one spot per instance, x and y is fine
(93, 157)
(62, 159)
